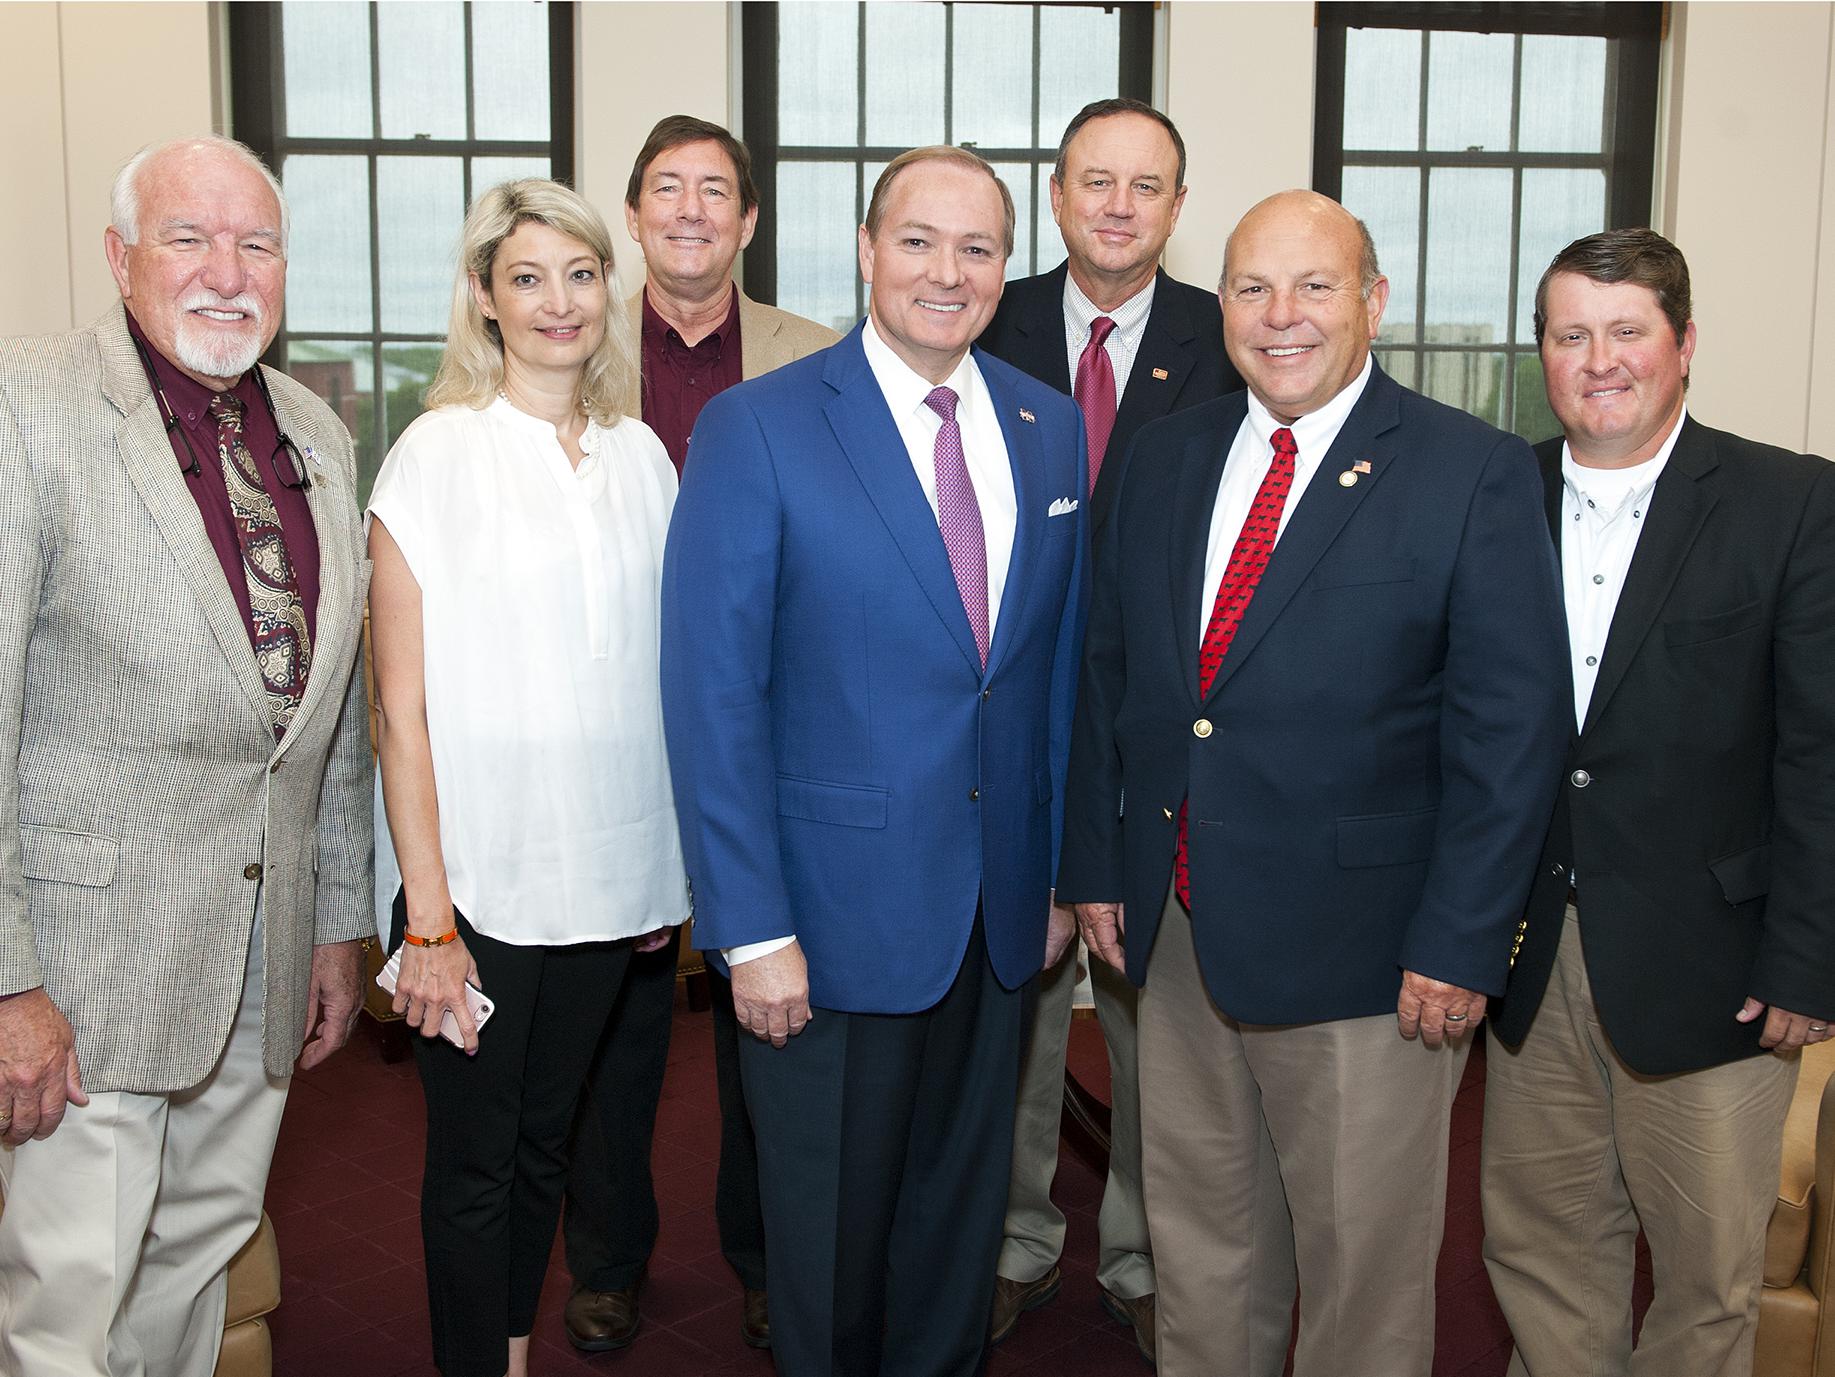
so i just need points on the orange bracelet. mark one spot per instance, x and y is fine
(440, 941)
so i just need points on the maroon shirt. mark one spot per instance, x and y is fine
(678, 377)
(190, 402)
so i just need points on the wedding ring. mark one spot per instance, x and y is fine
(1819, 1027)
(1455, 1018)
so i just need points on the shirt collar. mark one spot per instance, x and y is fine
(904, 388)
(1608, 489)
(1080, 311)
(1314, 432)
(661, 330)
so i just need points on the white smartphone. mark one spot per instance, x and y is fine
(475, 999)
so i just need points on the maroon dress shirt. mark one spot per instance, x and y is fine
(190, 402)
(678, 377)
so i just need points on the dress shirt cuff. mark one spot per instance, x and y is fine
(751, 951)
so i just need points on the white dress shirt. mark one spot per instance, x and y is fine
(984, 446)
(1602, 516)
(541, 619)
(1124, 340)
(1247, 465)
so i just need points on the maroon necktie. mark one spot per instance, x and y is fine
(1095, 394)
(959, 518)
(1248, 561)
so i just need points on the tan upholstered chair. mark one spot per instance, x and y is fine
(1796, 1329)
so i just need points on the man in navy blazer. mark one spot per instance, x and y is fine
(873, 599)
(1320, 720)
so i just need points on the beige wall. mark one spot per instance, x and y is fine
(88, 84)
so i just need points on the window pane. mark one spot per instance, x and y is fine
(487, 172)
(421, 56)
(1468, 244)
(1388, 200)
(815, 238)
(1564, 94)
(1468, 90)
(1382, 88)
(1018, 177)
(328, 259)
(1559, 205)
(509, 44)
(1079, 61)
(904, 74)
(406, 371)
(992, 75)
(342, 373)
(1049, 251)
(818, 73)
(1472, 382)
(1398, 364)
(419, 204)
(1535, 419)
(326, 52)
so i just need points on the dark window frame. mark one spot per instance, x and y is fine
(759, 113)
(1628, 157)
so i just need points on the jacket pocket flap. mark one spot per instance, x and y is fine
(1345, 573)
(1387, 838)
(1745, 875)
(1694, 630)
(72, 858)
(844, 805)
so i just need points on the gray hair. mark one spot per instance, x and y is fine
(124, 195)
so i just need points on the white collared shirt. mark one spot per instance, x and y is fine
(1602, 516)
(1247, 465)
(1124, 340)
(984, 446)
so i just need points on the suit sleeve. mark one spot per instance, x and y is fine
(22, 573)
(1068, 655)
(720, 572)
(1505, 706)
(1795, 969)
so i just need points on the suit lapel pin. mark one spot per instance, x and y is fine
(1160, 374)
(1027, 416)
(1348, 479)
(1361, 466)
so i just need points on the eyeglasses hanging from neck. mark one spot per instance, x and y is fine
(292, 474)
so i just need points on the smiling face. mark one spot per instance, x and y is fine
(936, 265)
(1295, 320)
(548, 296)
(1613, 367)
(688, 220)
(206, 277)
(1118, 204)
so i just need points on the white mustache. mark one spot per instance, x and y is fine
(205, 299)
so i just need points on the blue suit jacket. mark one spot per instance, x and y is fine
(844, 769)
(1386, 729)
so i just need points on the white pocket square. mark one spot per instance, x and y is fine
(1064, 506)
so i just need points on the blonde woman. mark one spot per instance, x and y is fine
(517, 531)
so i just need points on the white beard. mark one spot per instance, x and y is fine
(211, 353)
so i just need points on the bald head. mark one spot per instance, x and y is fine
(1315, 214)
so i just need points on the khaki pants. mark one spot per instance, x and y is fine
(1579, 1149)
(119, 1227)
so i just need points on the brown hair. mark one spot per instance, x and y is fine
(673, 131)
(1118, 105)
(1641, 257)
(939, 153)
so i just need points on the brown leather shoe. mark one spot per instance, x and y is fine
(1137, 1313)
(599, 1321)
(755, 1320)
(1014, 1298)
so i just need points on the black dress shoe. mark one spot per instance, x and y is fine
(755, 1320)
(599, 1321)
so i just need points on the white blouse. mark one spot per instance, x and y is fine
(541, 618)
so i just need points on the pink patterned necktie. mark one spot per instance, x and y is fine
(1095, 394)
(959, 519)
(283, 648)
(1248, 561)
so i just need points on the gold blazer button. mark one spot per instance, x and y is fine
(1201, 728)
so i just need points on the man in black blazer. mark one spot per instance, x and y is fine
(1679, 941)
(1319, 724)
(1131, 345)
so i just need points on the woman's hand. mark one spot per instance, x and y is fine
(656, 939)
(433, 980)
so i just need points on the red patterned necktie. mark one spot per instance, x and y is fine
(1095, 394)
(1248, 561)
(959, 519)
(283, 647)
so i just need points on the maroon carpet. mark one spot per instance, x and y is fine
(343, 1197)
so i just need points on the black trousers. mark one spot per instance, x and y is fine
(611, 1216)
(884, 1145)
(497, 1127)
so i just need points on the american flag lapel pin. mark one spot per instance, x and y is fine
(1361, 466)
(1027, 416)
(1160, 374)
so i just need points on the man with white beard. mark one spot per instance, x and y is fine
(184, 774)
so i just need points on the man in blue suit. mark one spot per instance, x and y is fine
(1324, 663)
(873, 600)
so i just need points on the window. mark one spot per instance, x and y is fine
(381, 122)
(1476, 140)
(833, 92)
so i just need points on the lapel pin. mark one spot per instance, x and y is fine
(1027, 416)
(1161, 374)
(1347, 479)
(312, 458)
(1361, 466)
